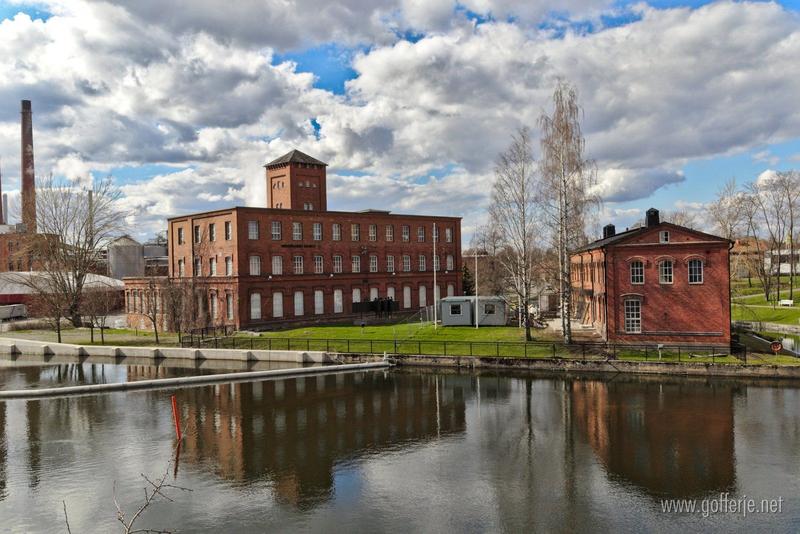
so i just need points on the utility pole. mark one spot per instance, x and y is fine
(435, 304)
(476, 256)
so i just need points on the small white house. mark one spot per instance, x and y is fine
(459, 311)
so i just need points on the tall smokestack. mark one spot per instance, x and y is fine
(2, 208)
(28, 179)
(5, 208)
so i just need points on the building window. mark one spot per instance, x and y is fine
(373, 263)
(338, 306)
(212, 266)
(277, 304)
(406, 297)
(633, 316)
(435, 232)
(389, 264)
(255, 306)
(228, 231)
(355, 232)
(297, 261)
(255, 265)
(316, 231)
(356, 295)
(373, 293)
(451, 290)
(421, 234)
(180, 236)
(252, 229)
(389, 233)
(212, 306)
(373, 232)
(336, 233)
(181, 268)
(489, 309)
(277, 231)
(229, 306)
(455, 309)
(421, 262)
(637, 272)
(308, 206)
(665, 272)
(297, 231)
(198, 267)
(405, 233)
(423, 296)
(277, 264)
(318, 265)
(695, 271)
(356, 264)
(299, 308)
(406, 263)
(228, 266)
(337, 264)
(436, 262)
(663, 236)
(450, 262)
(196, 233)
(448, 235)
(390, 292)
(212, 232)
(319, 302)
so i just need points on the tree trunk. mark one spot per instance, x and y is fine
(58, 328)
(155, 331)
(102, 335)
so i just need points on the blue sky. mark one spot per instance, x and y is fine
(409, 103)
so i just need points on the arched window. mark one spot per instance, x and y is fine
(665, 272)
(695, 271)
(637, 272)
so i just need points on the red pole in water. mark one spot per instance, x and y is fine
(176, 417)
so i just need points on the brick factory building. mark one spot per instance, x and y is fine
(295, 261)
(660, 283)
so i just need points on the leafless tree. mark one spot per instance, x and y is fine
(152, 307)
(756, 261)
(99, 301)
(726, 212)
(787, 184)
(45, 299)
(492, 275)
(771, 209)
(566, 181)
(681, 218)
(73, 223)
(513, 213)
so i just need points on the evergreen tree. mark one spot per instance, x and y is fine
(467, 282)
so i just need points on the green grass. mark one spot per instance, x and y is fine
(82, 336)
(409, 331)
(780, 315)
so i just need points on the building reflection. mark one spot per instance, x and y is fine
(669, 438)
(293, 433)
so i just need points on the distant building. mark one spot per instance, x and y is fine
(779, 261)
(747, 253)
(460, 311)
(660, 283)
(14, 288)
(295, 261)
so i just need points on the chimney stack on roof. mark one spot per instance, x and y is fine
(609, 231)
(27, 177)
(652, 217)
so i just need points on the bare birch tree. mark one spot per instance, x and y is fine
(73, 223)
(566, 180)
(98, 302)
(513, 212)
(787, 184)
(726, 212)
(152, 307)
(771, 207)
(757, 263)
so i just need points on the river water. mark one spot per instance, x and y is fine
(402, 450)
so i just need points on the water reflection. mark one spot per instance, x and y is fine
(405, 449)
(670, 439)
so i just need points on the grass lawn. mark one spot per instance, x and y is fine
(760, 300)
(787, 315)
(410, 331)
(82, 336)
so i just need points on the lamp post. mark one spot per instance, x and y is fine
(476, 256)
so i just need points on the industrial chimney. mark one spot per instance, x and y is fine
(2, 207)
(26, 170)
(608, 231)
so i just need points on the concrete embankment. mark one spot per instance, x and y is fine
(187, 381)
(11, 347)
(589, 366)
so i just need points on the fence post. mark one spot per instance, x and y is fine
(348, 345)
(554, 350)
(419, 347)
(371, 351)
(308, 344)
(497, 349)
(395, 346)
(679, 354)
(470, 348)
(526, 350)
(445, 347)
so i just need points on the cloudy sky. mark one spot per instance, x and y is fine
(409, 101)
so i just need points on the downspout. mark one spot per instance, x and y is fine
(730, 300)
(605, 285)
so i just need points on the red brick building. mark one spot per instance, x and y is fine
(296, 261)
(660, 283)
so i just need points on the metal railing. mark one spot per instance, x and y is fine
(519, 349)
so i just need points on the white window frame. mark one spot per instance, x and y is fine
(212, 266)
(228, 231)
(228, 266)
(422, 263)
(450, 262)
(277, 304)
(637, 272)
(373, 232)
(252, 230)
(356, 295)
(255, 306)
(405, 233)
(355, 232)
(316, 231)
(390, 263)
(406, 297)
(338, 301)
(319, 264)
(277, 265)
(632, 315)
(299, 304)
(663, 236)
(336, 232)
(297, 264)
(666, 275)
(420, 234)
(389, 233)
(373, 263)
(229, 306)
(277, 230)
(254, 263)
(700, 272)
(212, 232)
(297, 231)
(319, 302)
(337, 263)
(406, 263)
(355, 264)
(448, 235)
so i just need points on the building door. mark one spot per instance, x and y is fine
(373, 293)
(356, 294)
(390, 292)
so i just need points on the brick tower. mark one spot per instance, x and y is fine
(296, 181)
(28, 179)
